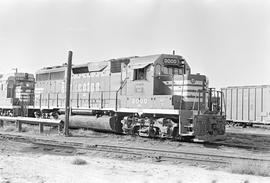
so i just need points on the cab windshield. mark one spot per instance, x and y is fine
(161, 70)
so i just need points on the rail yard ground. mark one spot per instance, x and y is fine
(55, 158)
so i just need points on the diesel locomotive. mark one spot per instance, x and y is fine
(17, 94)
(151, 96)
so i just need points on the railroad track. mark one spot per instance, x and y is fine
(234, 145)
(156, 154)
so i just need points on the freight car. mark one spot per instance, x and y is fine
(153, 96)
(16, 94)
(247, 105)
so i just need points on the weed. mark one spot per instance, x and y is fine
(25, 129)
(258, 168)
(10, 129)
(79, 161)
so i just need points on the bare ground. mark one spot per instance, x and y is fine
(21, 162)
(21, 167)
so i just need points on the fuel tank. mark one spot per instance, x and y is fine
(102, 123)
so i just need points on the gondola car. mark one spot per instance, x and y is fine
(153, 96)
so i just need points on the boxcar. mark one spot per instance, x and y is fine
(247, 104)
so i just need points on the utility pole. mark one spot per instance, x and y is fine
(68, 81)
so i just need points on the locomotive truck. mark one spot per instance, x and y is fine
(152, 96)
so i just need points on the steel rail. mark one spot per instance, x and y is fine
(74, 146)
(249, 147)
(186, 153)
(131, 150)
(140, 153)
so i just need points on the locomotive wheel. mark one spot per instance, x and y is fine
(153, 132)
(187, 138)
(175, 132)
(135, 130)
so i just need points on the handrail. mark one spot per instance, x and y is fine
(31, 120)
(223, 103)
(120, 88)
(193, 106)
(122, 85)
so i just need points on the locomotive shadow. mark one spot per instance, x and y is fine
(90, 133)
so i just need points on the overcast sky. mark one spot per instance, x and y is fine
(227, 40)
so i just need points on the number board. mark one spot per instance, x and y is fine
(173, 62)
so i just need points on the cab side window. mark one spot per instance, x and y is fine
(140, 74)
